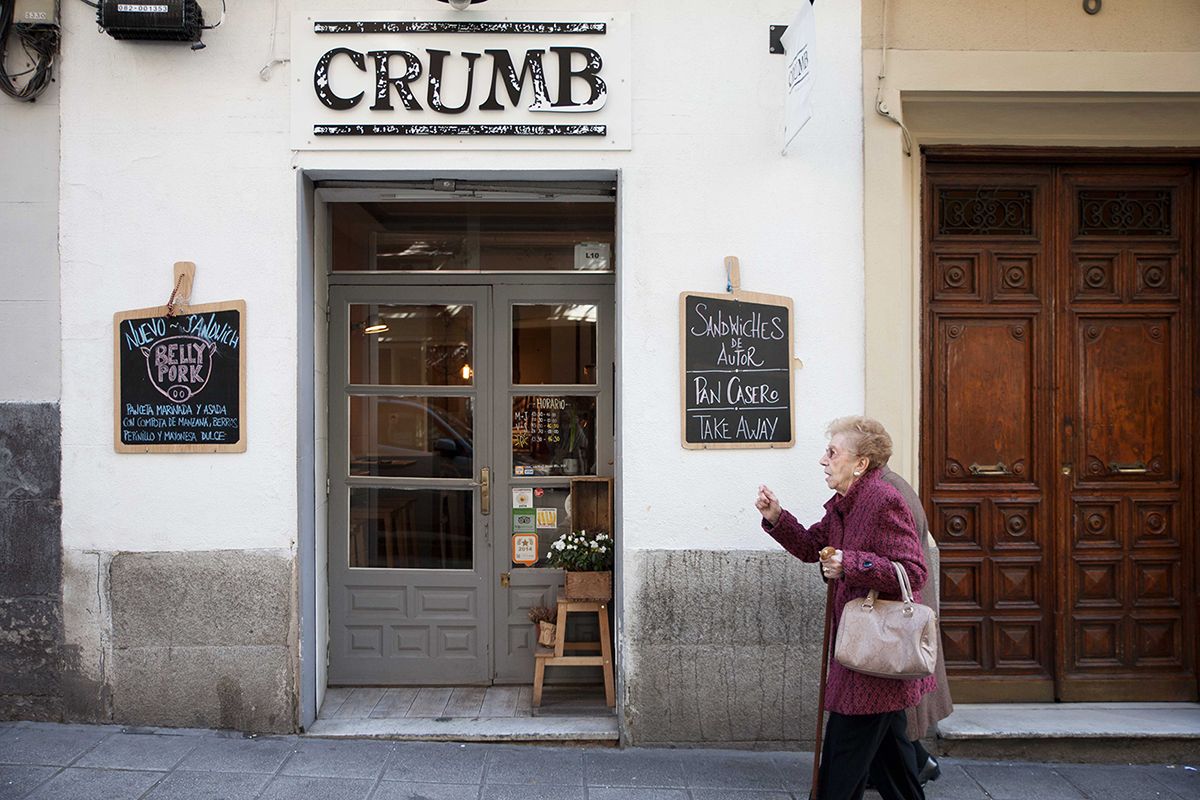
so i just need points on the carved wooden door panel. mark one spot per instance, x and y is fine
(987, 466)
(1058, 428)
(1127, 629)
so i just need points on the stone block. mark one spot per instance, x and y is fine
(723, 647)
(30, 548)
(246, 688)
(202, 598)
(30, 637)
(30, 445)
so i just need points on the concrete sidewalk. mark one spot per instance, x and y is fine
(77, 762)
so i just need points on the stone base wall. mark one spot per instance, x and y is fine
(185, 639)
(721, 648)
(31, 626)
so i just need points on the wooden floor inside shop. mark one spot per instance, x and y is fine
(463, 701)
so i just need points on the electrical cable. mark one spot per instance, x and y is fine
(39, 43)
(217, 24)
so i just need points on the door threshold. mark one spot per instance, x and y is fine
(1134, 732)
(467, 714)
(560, 729)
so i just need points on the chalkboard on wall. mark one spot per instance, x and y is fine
(180, 381)
(736, 376)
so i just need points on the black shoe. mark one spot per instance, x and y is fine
(930, 772)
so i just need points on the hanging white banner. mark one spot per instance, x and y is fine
(798, 42)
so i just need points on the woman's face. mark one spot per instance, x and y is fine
(839, 462)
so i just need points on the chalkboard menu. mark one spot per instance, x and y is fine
(180, 381)
(736, 381)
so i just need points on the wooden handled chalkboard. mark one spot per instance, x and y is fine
(180, 381)
(736, 377)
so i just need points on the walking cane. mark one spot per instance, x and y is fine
(812, 794)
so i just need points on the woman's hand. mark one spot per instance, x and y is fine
(831, 567)
(768, 505)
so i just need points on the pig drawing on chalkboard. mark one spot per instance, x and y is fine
(179, 366)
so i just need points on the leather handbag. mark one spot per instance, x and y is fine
(888, 638)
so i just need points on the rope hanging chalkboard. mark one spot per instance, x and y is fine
(736, 368)
(179, 375)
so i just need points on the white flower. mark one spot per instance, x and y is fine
(593, 545)
(603, 549)
(559, 545)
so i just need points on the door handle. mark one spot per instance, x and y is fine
(485, 490)
(989, 469)
(1136, 468)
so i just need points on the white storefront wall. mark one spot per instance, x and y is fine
(174, 155)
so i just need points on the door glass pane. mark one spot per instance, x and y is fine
(554, 435)
(519, 236)
(554, 344)
(412, 437)
(426, 345)
(410, 528)
(549, 518)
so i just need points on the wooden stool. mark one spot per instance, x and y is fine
(554, 656)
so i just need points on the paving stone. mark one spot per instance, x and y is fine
(96, 784)
(17, 782)
(631, 768)
(1099, 780)
(351, 758)
(426, 791)
(725, 770)
(796, 770)
(426, 762)
(628, 793)
(139, 751)
(238, 754)
(1021, 782)
(184, 785)
(49, 744)
(535, 766)
(1178, 778)
(955, 784)
(738, 794)
(290, 788)
(517, 792)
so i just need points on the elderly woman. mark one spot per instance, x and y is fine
(870, 526)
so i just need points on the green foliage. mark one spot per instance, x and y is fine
(582, 551)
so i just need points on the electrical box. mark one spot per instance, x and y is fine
(156, 20)
(35, 12)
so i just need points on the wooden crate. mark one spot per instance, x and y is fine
(592, 504)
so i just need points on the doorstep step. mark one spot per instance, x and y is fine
(589, 730)
(1073, 731)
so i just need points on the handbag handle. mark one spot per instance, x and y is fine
(906, 593)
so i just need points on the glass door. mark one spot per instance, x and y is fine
(410, 562)
(553, 395)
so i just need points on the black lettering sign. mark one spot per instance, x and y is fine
(180, 380)
(737, 372)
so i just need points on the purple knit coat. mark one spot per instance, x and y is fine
(872, 527)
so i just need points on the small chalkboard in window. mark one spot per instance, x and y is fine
(736, 377)
(180, 380)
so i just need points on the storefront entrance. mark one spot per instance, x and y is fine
(470, 356)
(1059, 424)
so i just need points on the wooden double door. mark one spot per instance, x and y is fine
(1059, 421)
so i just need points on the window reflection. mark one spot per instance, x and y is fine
(427, 345)
(412, 236)
(554, 344)
(412, 437)
(554, 435)
(410, 528)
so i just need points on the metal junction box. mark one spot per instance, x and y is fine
(159, 20)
